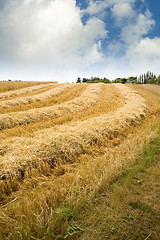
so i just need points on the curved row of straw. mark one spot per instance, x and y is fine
(37, 97)
(88, 97)
(25, 90)
(69, 141)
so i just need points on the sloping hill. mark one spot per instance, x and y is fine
(59, 154)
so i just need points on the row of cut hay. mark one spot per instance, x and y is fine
(88, 97)
(37, 97)
(44, 202)
(26, 90)
(6, 86)
(65, 145)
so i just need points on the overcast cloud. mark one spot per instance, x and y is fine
(47, 40)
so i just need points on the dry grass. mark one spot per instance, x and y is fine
(154, 88)
(22, 102)
(109, 100)
(26, 92)
(41, 211)
(68, 93)
(65, 165)
(151, 97)
(69, 141)
(87, 98)
(129, 207)
(6, 86)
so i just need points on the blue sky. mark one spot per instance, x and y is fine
(65, 39)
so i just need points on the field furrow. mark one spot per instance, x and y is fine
(87, 98)
(65, 143)
(31, 93)
(67, 94)
(9, 86)
(17, 92)
(29, 100)
(60, 160)
(109, 100)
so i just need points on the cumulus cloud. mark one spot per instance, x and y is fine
(47, 39)
(133, 32)
(48, 29)
(121, 11)
(149, 47)
(48, 32)
(132, 53)
(145, 55)
(97, 7)
(140, 51)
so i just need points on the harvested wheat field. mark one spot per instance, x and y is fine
(61, 144)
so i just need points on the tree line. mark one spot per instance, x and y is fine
(93, 80)
(145, 78)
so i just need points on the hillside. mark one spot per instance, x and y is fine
(61, 145)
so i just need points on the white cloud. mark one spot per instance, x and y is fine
(46, 40)
(96, 7)
(123, 10)
(133, 32)
(49, 33)
(145, 55)
(140, 52)
(133, 52)
(99, 7)
(149, 47)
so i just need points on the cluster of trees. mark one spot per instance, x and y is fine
(125, 80)
(146, 78)
(93, 80)
(157, 80)
(149, 78)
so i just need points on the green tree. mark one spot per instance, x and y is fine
(78, 80)
(84, 80)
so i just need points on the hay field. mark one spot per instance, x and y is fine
(61, 145)
(7, 86)
(32, 98)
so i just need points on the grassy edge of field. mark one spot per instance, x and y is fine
(127, 208)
